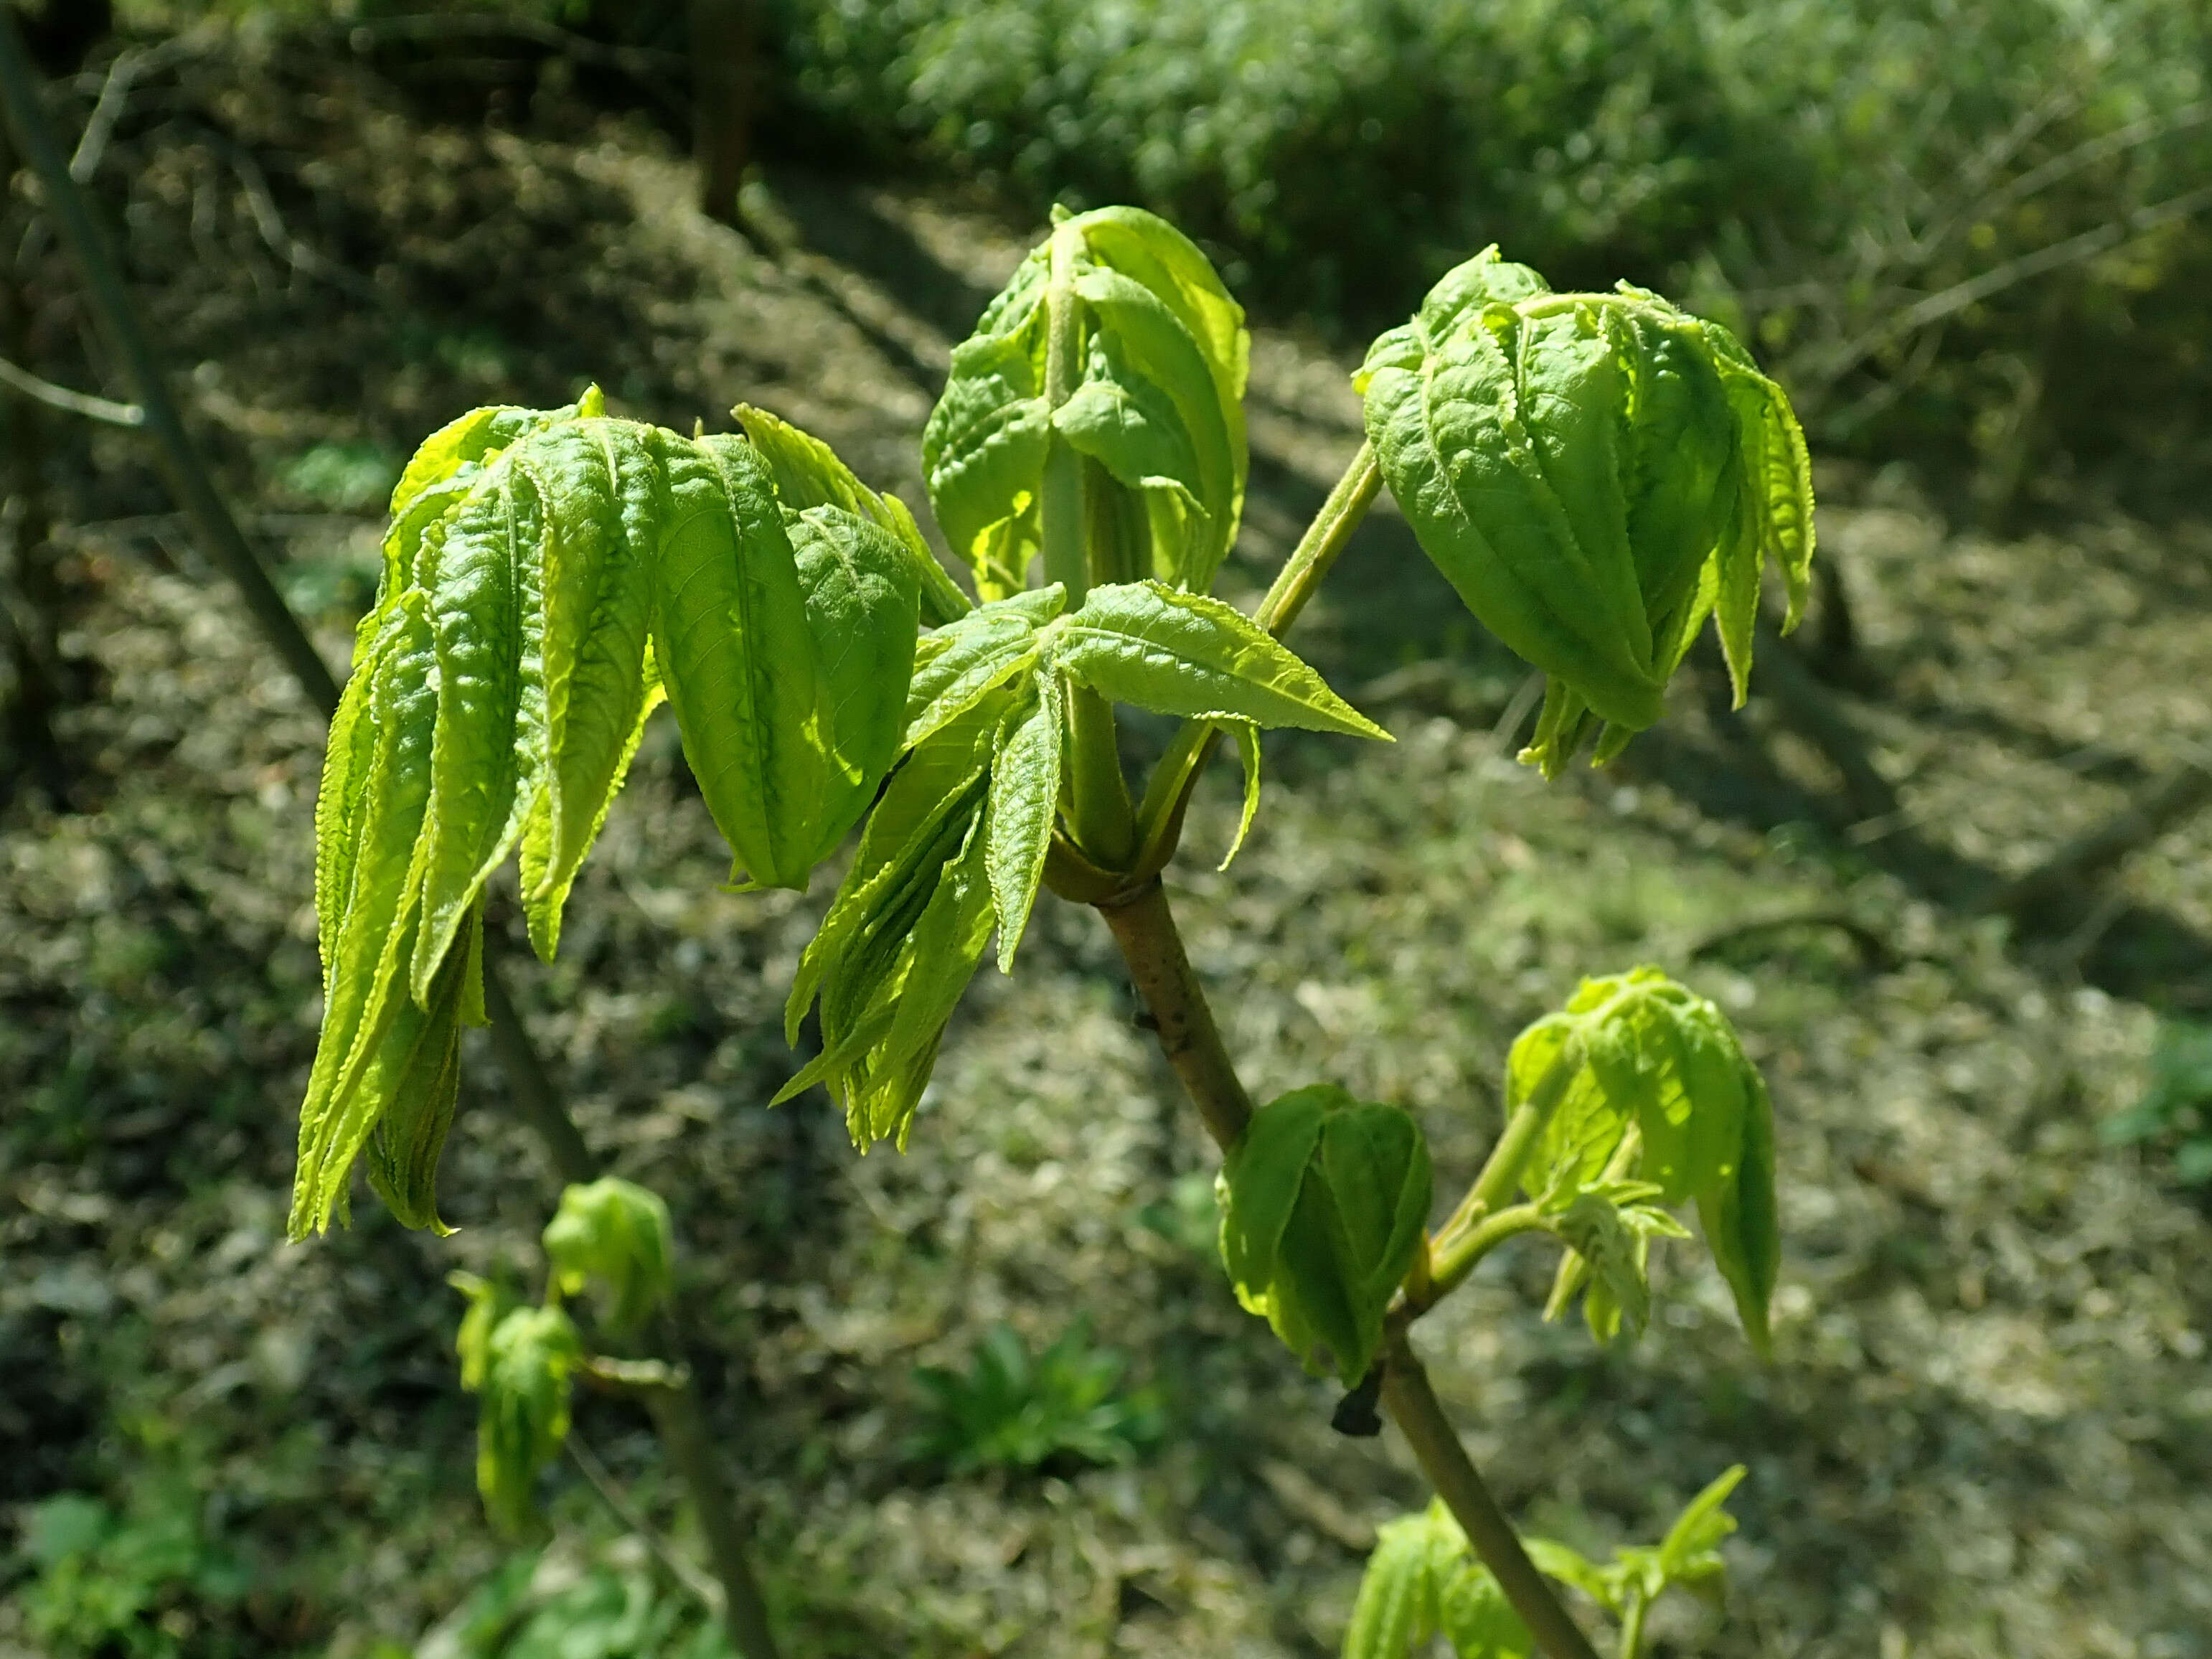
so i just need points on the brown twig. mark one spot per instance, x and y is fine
(1144, 927)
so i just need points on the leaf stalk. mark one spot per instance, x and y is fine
(1167, 796)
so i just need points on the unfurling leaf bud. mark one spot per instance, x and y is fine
(616, 1232)
(1325, 1200)
(1596, 473)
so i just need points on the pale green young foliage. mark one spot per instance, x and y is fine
(521, 1362)
(616, 1235)
(957, 846)
(548, 577)
(1596, 473)
(1423, 1581)
(1663, 1106)
(1155, 406)
(1324, 1203)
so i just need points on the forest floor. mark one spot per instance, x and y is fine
(1987, 1425)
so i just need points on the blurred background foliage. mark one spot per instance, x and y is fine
(1969, 233)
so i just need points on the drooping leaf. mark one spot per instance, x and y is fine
(528, 1362)
(1185, 653)
(596, 483)
(617, 1233)
(375, 882)
(1321, 1257)
(1594, 473)
(731, 636)
(549, 576)
(1024, 795)
(417, 1074)
(860, 599)
(907, 929)
(808, 473)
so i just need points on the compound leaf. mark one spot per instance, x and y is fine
(1594, 473)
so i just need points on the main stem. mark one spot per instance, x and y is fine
(192, 484)
(1144, 927)
(1098, 804)
(1413, 1405)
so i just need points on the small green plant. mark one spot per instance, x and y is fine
(522, 1361)
(2175, 1112)
(1597, 475)
(1013, 1410)
(1424, 1581)
(608, 1610)
(143, 1582)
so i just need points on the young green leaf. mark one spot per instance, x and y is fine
(1157, 402)
(808, 473)
(1248, 756)
(1476, 1618)
(1609, 1228)
(1690, 1553)
(962, 663)
(1594, 473)
(488, 1304)
(1026, 776)
(1396, 1606)
(906, 932)
(1662, 1093)
(983, 454)
(549, 576)
(527, 1362)
(1185, 653)
(417, 1072)
(730, 633)
(617, 1233)
(1320, 1253)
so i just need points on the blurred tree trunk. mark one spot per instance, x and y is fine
(29, 596)
(723, 83)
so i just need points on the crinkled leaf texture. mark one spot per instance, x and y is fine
(616, 1234)
(548, 577)
(1596, 473)
(1157, 410)
(1663, 1107)
(520, 1368)
(1324, 1201)
(1423, 1581)
(955, 848)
